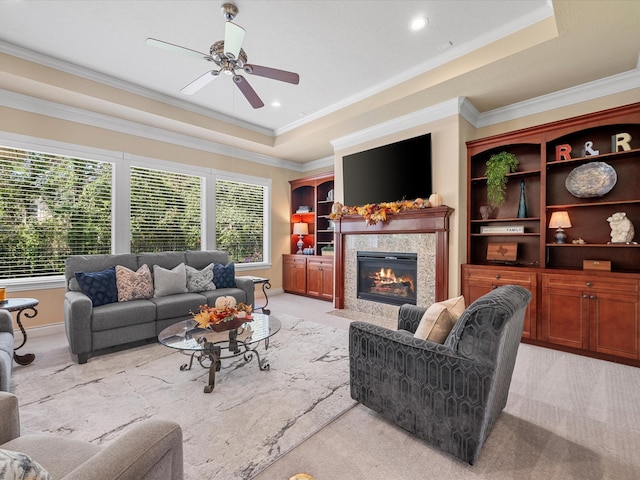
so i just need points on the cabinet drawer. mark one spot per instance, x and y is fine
(595, 282)
(502, 276)
(323, 262)
(295, 260)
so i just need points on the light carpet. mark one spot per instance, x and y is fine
(567, 417)
(250, 419)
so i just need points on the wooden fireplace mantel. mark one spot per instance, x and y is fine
(427, 220)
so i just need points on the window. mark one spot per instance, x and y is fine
(82, 201)
(165, 211)
(51, 206)
(240, 220)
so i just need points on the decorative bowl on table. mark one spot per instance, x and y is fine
(236, 322)
(225, 315)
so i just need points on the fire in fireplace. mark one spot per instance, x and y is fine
(387, 277)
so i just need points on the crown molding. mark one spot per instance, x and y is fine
(92, 75)
(420, 117)
(505, 30)
(320, 163)
(461, 105)
(64, 112)
(569, 96)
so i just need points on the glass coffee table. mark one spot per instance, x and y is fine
(209, 347)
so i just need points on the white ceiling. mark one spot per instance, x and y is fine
(346, 52)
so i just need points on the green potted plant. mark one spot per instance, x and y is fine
(498, 166)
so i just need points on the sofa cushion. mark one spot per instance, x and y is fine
(439, 319)
(237, 293)
(200, 280)
(122, 314)
(224, 276)
(134, 285)
(95, 263)
(177, 306)
(164, 259)
(58, 459)
(100, 287)
(200, 259)
(20, 466)
(169, 282)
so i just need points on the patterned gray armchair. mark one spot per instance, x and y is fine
(449, 395)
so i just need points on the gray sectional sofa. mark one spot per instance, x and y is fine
(91, 328)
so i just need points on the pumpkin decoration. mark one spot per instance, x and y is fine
(225, 302)
(435, 200)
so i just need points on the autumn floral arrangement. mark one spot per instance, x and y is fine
(225, 310)
(378, 212)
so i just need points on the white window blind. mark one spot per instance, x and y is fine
(51, 206)
(165, 211)
(240, 220)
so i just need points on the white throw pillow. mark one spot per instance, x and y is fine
(169, 282)
(439, 319)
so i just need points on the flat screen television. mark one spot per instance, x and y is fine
(398, 171)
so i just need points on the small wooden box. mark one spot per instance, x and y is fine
(596, 265)
(502, 251)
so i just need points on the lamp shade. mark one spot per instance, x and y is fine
(560, 220)
(300, 229)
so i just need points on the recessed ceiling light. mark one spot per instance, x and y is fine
(418, 23)
(275, 103)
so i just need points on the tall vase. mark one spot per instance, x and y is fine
(522, 207)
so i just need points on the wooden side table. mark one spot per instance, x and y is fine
(28, 307)
(265, 286)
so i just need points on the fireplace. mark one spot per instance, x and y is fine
(387, 277)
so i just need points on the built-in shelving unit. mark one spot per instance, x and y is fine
(572, 308)
(311, 274)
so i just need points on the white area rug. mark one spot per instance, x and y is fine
(251, 418)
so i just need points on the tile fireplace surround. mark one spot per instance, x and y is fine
(425, 232)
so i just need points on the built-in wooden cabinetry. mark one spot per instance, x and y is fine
(479, 280)
(311, 274)
(595, 312)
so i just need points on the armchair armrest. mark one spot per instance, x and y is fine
(10, 424)
(151, 450)
(409, 317)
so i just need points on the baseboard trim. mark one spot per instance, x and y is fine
(43, 331)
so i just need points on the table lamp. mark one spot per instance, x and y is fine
(560, 220)
(300, 229)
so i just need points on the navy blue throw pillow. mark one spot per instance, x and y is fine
(224, 276)
(100, 287)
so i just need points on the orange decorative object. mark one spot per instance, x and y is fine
(563, 152)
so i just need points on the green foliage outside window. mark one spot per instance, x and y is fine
(54, 206)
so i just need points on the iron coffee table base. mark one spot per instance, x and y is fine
(211, 354)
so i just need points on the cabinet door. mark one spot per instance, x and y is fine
(294, 275)
(326, 290)
(480, 281)
(565, 317)
(320, 278)
(614, 323)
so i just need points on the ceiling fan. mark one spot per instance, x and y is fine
(230, 59)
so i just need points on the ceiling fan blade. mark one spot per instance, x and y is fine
(175, 48)
(248, 91)
(273, 73)
(233, 37)
(200, 82)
